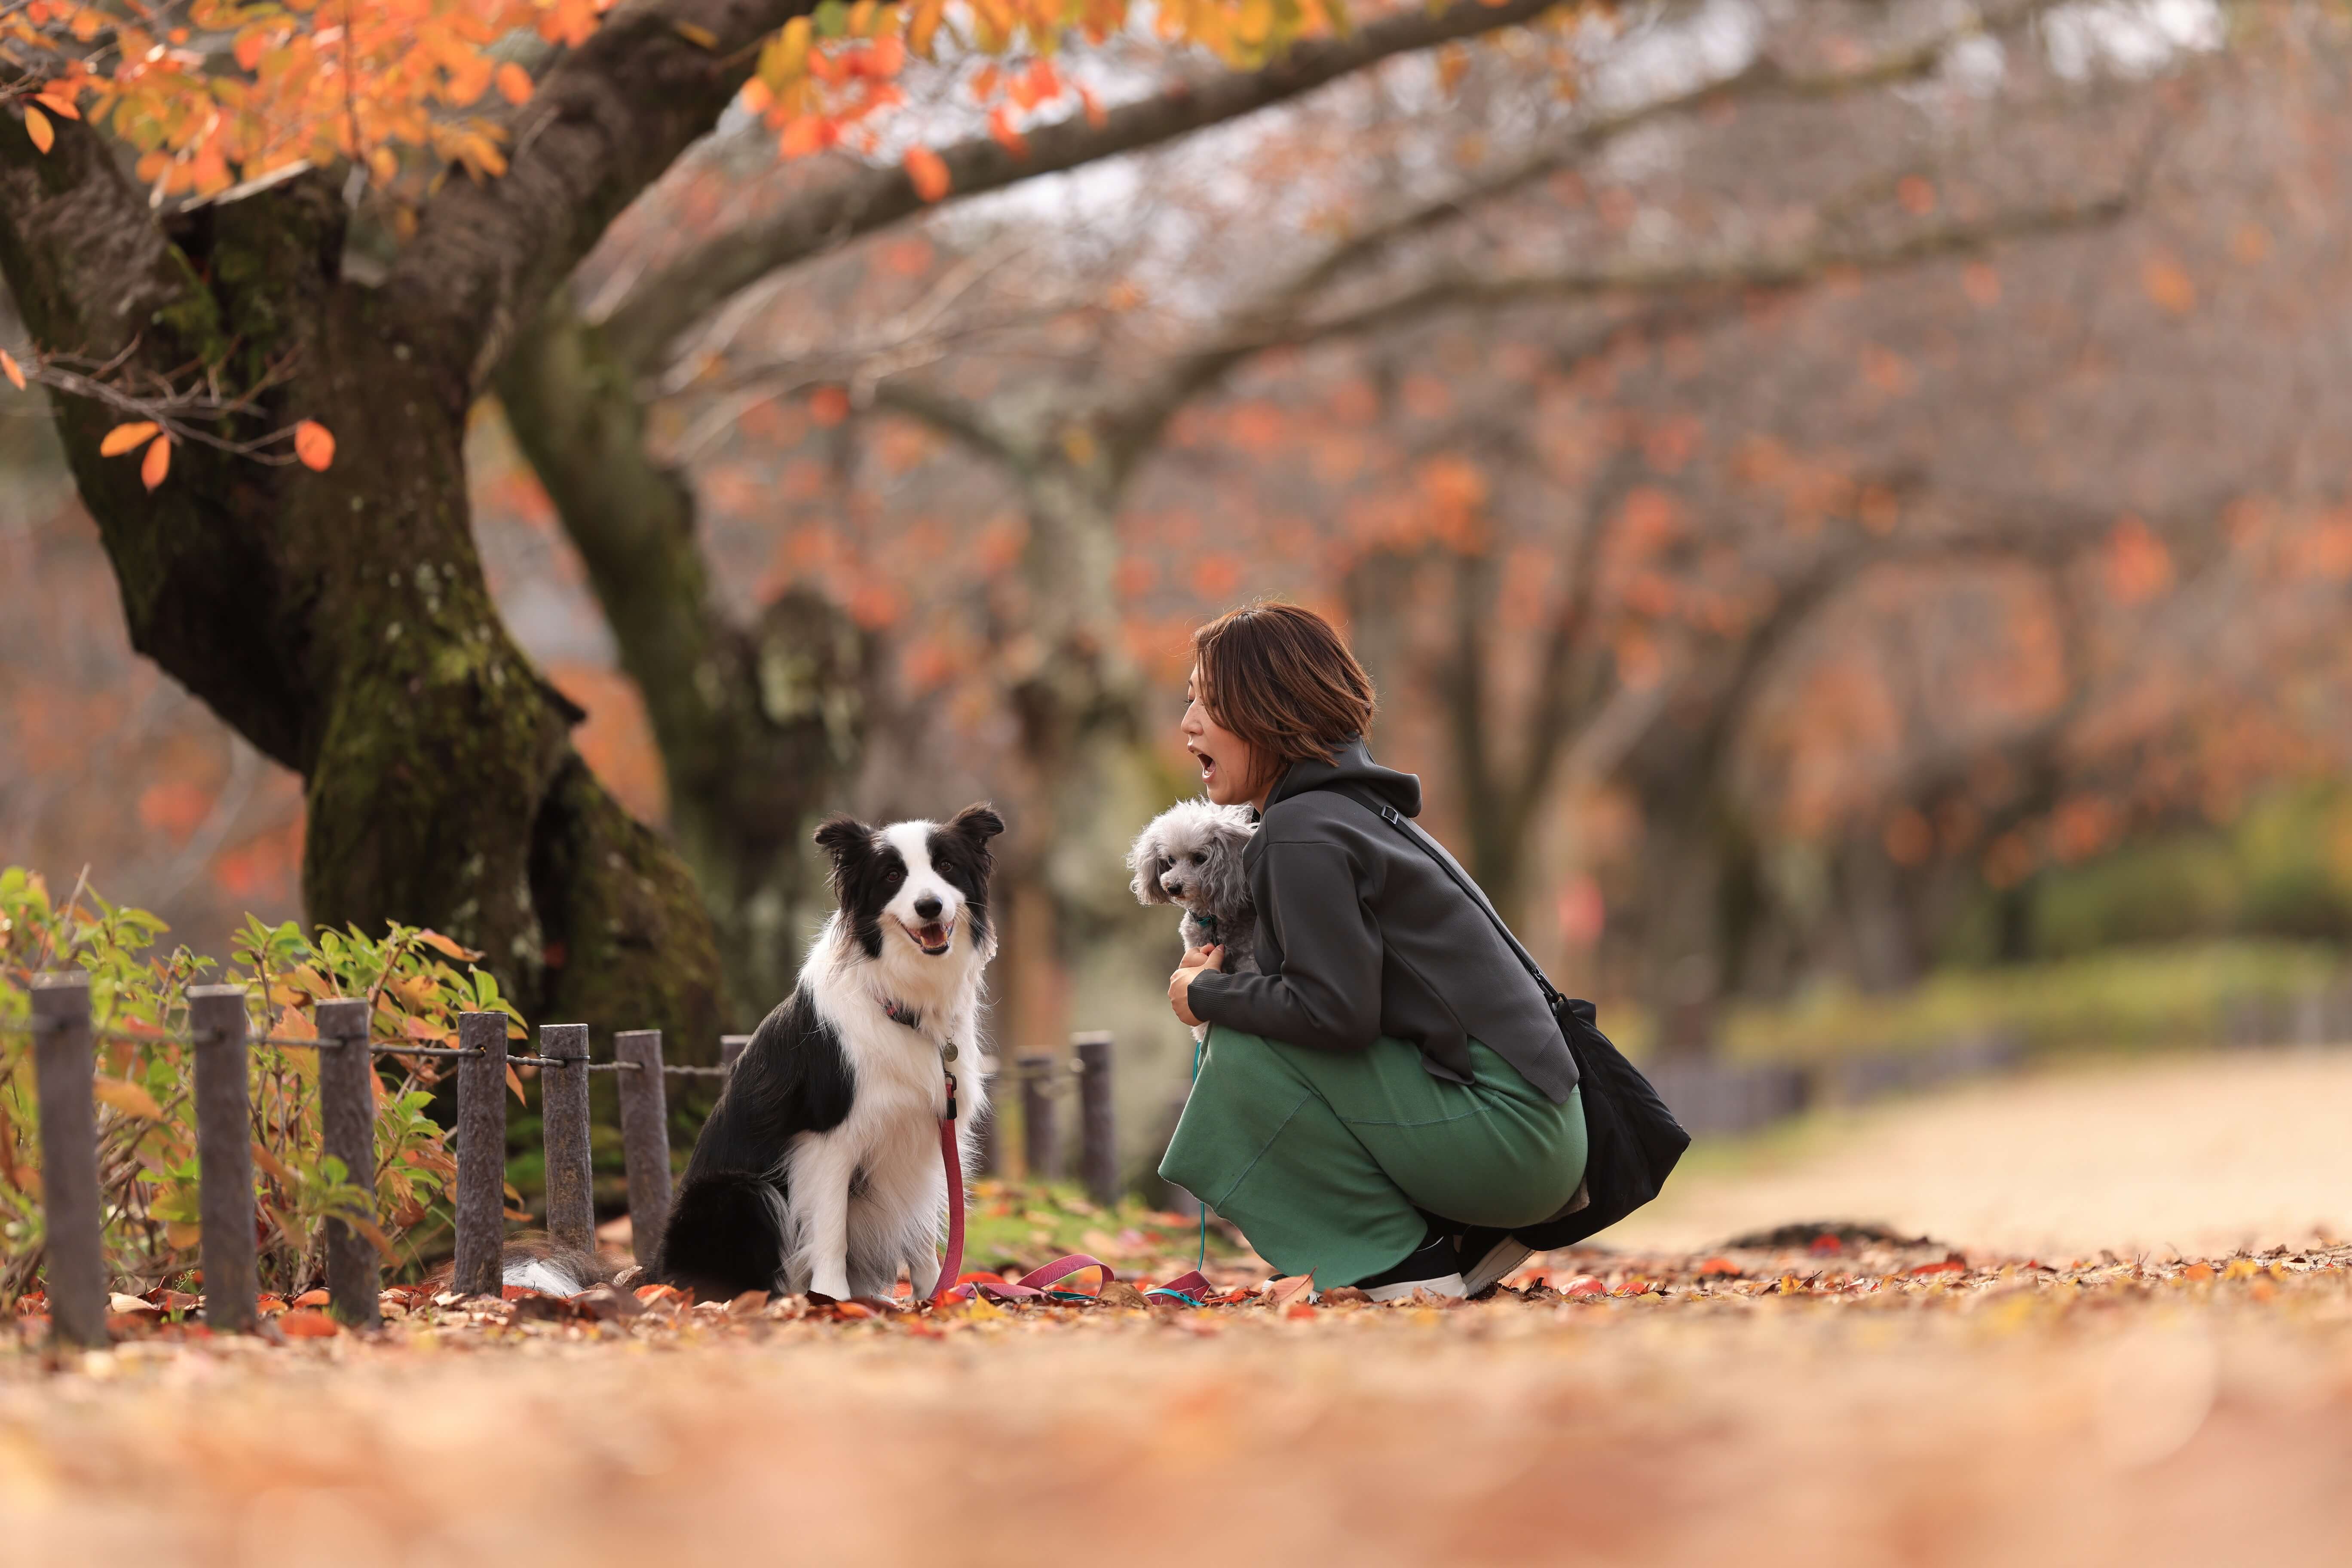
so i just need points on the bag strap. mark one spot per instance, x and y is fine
(1446, 863)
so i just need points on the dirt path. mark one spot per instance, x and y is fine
(1858, 1408)
(2203, 1154)
(2117, 1420)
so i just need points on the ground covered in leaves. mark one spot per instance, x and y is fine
(1819, 1394)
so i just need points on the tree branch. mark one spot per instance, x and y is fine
(667, 303)
(603, 125)
(86, 261)
(1277, 319)
(955, 417)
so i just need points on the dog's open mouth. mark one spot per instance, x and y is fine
(934, 937)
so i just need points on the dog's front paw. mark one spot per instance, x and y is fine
(829, 1290)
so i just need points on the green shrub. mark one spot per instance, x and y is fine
(416, 982)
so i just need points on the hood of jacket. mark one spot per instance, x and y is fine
(1351, 764)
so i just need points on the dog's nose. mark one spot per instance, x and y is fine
(927, 907)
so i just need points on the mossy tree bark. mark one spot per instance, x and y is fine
(340, 620)
(758, 724)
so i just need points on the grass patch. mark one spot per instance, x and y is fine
(1030, 1223)
(2120, 998)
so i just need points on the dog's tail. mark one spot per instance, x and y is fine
(726, 1235)
(539, 1263)
(535, 1261)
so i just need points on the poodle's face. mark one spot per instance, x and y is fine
(1191, 855)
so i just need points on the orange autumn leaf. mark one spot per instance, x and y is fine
(36, 126)
(925, 26)
(828, 405)
(123, 437)
(446, 948)
(158, 462)
(1001, 126)
(514, 83)
(271, 1163)
(314, 443)
(929, 171)
(13, 372)
(129, 1098)
(308, 1323)
(803, 135)
(2168, 283)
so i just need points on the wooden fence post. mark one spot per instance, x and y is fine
(63, 1066)
(217, 1017)
(347, 1090)
(644, 1138)
(1098, 1124)
(731, 1046)
(563, 1120)
(1040, 1148)
(481, 1198)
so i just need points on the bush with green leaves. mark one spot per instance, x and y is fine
(415, 984)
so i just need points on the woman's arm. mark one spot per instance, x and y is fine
(1328, 995)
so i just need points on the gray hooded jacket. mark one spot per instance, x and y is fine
(1361, 935)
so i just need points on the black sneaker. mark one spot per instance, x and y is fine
(1434, 1267)
(1486, 1255)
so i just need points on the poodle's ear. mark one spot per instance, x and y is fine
(1224, 881)
(1150, 865)
(846, 840)
(978, 823)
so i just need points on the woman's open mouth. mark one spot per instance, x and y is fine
(1208, 765)
(934, 937)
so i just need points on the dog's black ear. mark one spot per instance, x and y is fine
(845, 838)
(978, 823)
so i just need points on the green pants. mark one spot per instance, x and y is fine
(1327, 1160)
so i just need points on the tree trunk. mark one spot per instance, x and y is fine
(1086, 758)
(340, 620)
(759, 727)
(1682, 970)
(1881, 906)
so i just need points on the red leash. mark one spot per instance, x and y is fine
(952, 1157)
(948, 1287)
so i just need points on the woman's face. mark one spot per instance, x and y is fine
(1228, 763)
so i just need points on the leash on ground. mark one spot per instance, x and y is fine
(1189, 1289)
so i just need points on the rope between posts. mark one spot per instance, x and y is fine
(375, 1048)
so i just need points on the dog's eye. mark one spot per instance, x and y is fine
(1194, 858)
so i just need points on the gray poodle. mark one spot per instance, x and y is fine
(1190, 855)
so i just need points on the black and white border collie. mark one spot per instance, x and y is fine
(819, 1170)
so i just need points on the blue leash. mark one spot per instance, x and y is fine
(1202, 1262)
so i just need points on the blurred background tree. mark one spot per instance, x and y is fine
(1834, 497)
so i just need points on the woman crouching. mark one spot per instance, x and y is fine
(1389, 1097)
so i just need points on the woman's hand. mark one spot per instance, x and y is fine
(1179, 984)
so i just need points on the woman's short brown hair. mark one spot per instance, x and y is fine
(1281, 679)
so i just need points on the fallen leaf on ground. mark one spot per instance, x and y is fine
(308, 1324)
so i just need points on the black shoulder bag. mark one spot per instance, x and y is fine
(1631, 1140)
